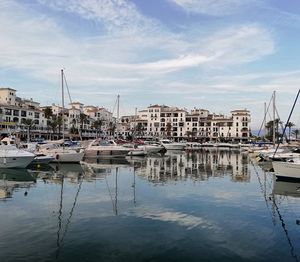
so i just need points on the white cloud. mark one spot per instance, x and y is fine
(116, 15)
(182, 219)
(240, 44)
(212, 7)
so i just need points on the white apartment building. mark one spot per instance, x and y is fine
(17, 114)
(101, 114)
(198, 124)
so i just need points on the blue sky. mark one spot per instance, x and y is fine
(219, 55)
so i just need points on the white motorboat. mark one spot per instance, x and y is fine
(170, 145)
(12, 157)
(152, 147)
(106, 148)
(42, 159)
(287, 169)
(61, 154)
(138, 151)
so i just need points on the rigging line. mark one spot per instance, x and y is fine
(66, 83)
(292, 249)
(116, 193)
(115, 105)
(262, 191)
(72, 209)
(265, 116)
(60, 217)
(287, 122)
(112, 201)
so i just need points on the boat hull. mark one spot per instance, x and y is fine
(286, 169)
(15, 161)
(67, 157)
(106, 153)
(174, 146)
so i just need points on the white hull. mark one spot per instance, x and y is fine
(137, 152)
(15, 161)
(62, 155)
(106, 152)
(152, 149)
(42, 159)
(286, 169)
(67, 157)
(175, 146)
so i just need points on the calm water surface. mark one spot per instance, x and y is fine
(204, 206)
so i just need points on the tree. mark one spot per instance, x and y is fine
(97, 125)
(53, 125)
(296, 133)
(59, 121)
(29, 123)
(168, 129)
(82, 119)
(269, 127)
(48, 112)
(290, 125)
(140, 129)
(112, 128)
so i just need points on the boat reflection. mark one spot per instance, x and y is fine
(14, 179)
(286, 188)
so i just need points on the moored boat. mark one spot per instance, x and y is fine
(287, 169)
(105, 148)
(12, 157)
(170, 145)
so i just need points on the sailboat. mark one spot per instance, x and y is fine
(56, 149)
(291, 168)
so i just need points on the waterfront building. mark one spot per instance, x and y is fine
(18, 116)
(198, 124)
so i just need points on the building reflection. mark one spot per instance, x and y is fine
(173, 166)
(199, 166)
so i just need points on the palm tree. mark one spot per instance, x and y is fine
(296, 133)
(269, 127)
(53, 124)
(82, 119)
(290, 125)
(97, 125)
(48, 115)
(168, 129)
(59, 121)
(139, 129)
(112, 128)
(48, 112)
(30, 124)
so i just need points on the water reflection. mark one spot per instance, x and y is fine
(14, 179)
(112, 210)
(286, 188)
(194, 165)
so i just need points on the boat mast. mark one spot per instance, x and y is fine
(63, 104)
(265, 120)
(274, 113)
(118, 108)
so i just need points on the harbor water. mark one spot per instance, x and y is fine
(210, 205)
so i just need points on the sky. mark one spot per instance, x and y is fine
(219, 55)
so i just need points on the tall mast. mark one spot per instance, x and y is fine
(63, 104)
(274, 112)
(118, 108)
(265, 119)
